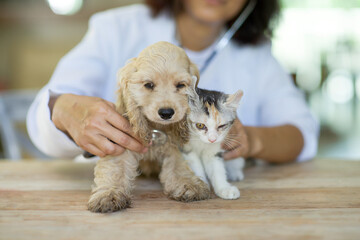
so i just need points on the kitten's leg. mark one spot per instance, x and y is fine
(234, 169)
(114, 178)
(215, 170)
(196, 165)
(179, 182)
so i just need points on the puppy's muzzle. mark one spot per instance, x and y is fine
(166, 113)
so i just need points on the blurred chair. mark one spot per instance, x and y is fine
(14, 105)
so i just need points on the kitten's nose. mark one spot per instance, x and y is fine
(212, 140)
(166, 113)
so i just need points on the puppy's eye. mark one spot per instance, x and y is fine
(201, 126)
(222, 126)
(180, 85)
(149, 85)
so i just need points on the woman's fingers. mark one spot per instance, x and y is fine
(235, 153)
(236, 142)
(90, 148)
(118, 129)
(111, 104)
(108, 147)
(121, 123)
(122, 139)
(112, 126)
(102, 145)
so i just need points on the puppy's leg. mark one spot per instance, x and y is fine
(114, 179)
(179, 181)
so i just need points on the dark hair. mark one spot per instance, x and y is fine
(258, 26)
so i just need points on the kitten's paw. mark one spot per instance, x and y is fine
(188, 191)
(108, 201)
(231, 192)
(234, 169)
(235, 175)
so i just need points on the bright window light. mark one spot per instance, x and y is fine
(339, 87)
(358, 87)
(65, 7)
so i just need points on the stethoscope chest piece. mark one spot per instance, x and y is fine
(158, 138)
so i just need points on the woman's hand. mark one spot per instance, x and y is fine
(277, 144)
(236, 142)
(94, 125)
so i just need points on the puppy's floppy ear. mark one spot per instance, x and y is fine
(125, 103)
(194, 72)
(123, 76)
(234, 99)
(125, 72)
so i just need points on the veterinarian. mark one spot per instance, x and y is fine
(75, 111)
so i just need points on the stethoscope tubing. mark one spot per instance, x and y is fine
(225, 39)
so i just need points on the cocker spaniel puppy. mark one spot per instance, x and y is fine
(152, 95)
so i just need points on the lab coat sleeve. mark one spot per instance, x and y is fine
(283, 103)
(82, 71)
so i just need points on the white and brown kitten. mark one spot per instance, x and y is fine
(211, 116)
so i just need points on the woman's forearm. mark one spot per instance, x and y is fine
(279, 144)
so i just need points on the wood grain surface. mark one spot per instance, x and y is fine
(319, 199)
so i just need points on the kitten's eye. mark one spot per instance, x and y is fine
(180, 85)
(222, 126)
(149, 85)
(200, 126)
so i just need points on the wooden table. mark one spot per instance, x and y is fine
(319, 199)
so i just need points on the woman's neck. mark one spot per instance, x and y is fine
(196, 35)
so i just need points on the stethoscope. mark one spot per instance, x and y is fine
(158, 137)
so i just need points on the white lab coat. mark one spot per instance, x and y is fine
(114, 36)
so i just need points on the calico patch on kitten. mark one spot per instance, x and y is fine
(211, 116)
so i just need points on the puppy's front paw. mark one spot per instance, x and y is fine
(188, 191)
(108, 201)
(231, 192)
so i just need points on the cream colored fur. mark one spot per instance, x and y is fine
(165, 65)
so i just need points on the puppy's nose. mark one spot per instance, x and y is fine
(166, 113)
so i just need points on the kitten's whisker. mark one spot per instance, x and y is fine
(231, 143)
(231, 140)
(195, 139)
(227, 145)
(199, 140)
(235, 134)
(232, 137)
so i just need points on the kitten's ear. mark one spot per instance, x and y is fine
(192, 95)
(191, 90)
(234, 99)
(195, 75)
(194, 81)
